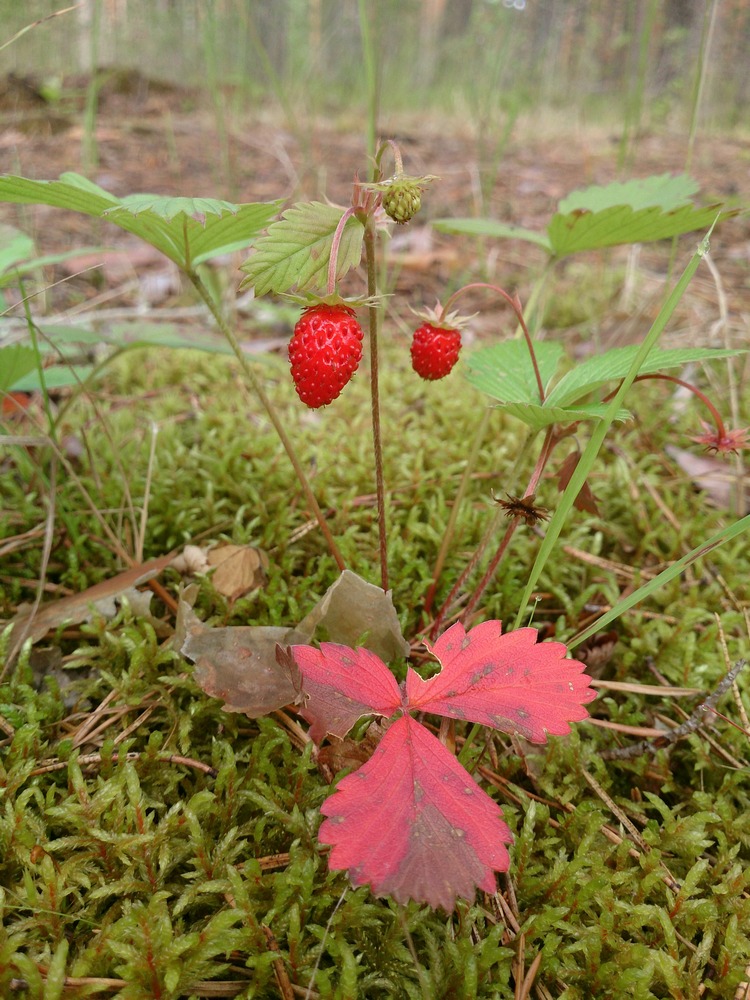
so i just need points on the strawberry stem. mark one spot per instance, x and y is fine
(271, 411)
(515, 303)
(720, 429)
(550, 440)
(393, 146)
(335, 243)
(374, 318)
(549, 443)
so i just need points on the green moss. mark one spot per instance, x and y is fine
(163, 874)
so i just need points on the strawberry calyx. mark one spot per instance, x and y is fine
(439, 319)
(352, 302)
(401, 195)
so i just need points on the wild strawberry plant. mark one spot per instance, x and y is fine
(411, 822)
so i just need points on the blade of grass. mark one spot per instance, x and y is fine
(725, 535)
(601, 429)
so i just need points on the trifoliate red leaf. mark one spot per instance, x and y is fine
(412, 822)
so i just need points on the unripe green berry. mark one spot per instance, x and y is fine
(402, 200)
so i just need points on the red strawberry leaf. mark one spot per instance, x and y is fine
(413, 824)
(342, 685)
(509, 682)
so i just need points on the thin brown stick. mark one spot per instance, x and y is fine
(283, 981)
(694, 722)
(92, 759)
(451, 526)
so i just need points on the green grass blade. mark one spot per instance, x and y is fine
(600, 430)
(493, 229)
(725, 535)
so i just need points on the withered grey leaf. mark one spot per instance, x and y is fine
(237, 663)
(716, 477)
(351, 609)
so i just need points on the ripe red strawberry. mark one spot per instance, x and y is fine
(434, 350)
(324, 352)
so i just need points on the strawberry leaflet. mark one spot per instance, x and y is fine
(509, 682)
(296, 250)
(342, 686)
(412, 822)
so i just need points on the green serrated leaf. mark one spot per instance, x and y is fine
(297, 249)
(73, 179)
(493, 229)
(538, 416)
(16, 362)
(187, 230)
(665, 191)
(167, 208)
(72, 191)
(583, 229)
(190, 241)
(615, 364)
(505, 372)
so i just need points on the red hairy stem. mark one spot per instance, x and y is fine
(393, 146)
(550, 440)
(335, 243)
(514, 302)
(720, 429)
(374, 317)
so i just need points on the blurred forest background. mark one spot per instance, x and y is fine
(645, 63)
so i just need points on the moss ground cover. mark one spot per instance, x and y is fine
(153, 845)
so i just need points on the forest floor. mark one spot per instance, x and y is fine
(153, 844)
(152, 138)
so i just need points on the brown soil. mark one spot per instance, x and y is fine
(157, 139)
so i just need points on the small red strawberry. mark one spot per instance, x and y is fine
(434, 350)
(324, 352)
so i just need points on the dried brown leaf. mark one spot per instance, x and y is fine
(239, 568)
(585, 501)
(714, 476)
(99, 599)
